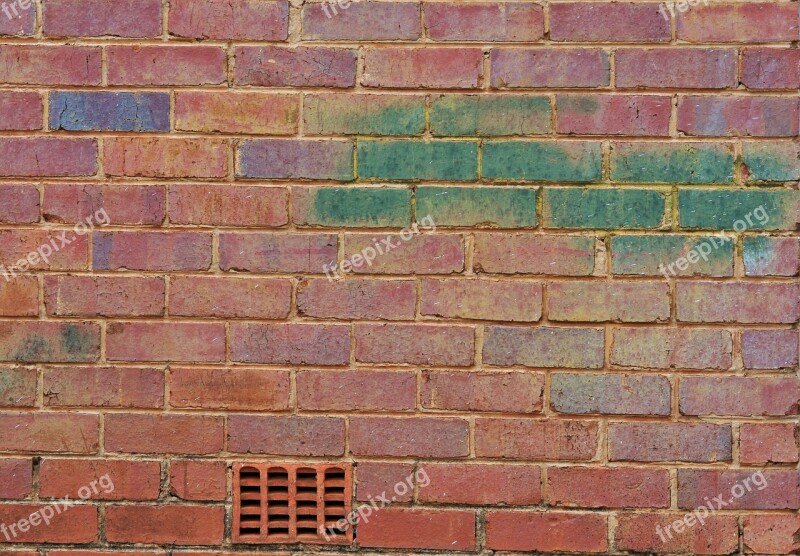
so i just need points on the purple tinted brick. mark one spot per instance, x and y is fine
(291, 158)
(17, 21)
(106, 111)
(770, 349)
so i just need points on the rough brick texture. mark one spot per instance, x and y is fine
(531, 267)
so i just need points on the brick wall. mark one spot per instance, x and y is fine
(544, 252)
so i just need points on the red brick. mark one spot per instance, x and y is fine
(701, 442)
(304, 66)
(482, 300)
(546, 67)
(769, 443)
(738, 302)
(163, 434)
(104, 553)
(754, 116)
(423, 68)
(166, 65)
(159, 157)
(517, 392)
(17, 245)
(641, 115)
(286, 435)
(610, 487)
(20, 111)
(376, 479)
(546, 532)
(361, 21)
(231, 20)
(536, 440)
(609, 22)
(162, 341)
(198, 480)
(108, 296)
(419, 528)
(49, 432)
(47, 156)
(776, 256)
(37, 64)
(601, 301)
(773, 489)
(415, 344)
(356, 390)
(229, 389)
(96, 18)
(544, 347)
(77, 525)
(771, 68)
(738, 23)
(17, 478)
(424, 254)
(104, 387)
(525, 253)
(770, 349)
(19, 386)
(224, 297)
(20, 204)
(745, 396)
(357, 298)
(237, 112)
(290, 343)
(218, 205)
(125, 480)
(167, 524)
(294, 158)
(124, 204)
(423, 437)
(151, 251)
(272, 252)
(640, 533)
(19, 297)
(49, 342)
(771, 534)
(674, 348)
(485, 22)
(676, 68)
(478, 484)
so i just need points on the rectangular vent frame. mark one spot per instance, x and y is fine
(283, 503)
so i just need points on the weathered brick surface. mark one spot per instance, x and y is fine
(538, 258)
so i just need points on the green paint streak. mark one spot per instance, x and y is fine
(646, 163)
(642, 255)
(77, 342)
(501, 207)
(770, 162)
(373, 115)
(542, 161)
(722, 209)
(360, 206)
(484, 115)
(33, 348)
(417, 160)
(577, 207)
(759, 252)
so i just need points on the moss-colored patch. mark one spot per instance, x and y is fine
(502, 207)
(728, 209)
(672, 163)
(418, 160)
(486, 115)
(577, 162)
(642, 255)
(34, 348)
(772, 161)
(358, 207)
(577, 207)
(76, 341)
(364, 114)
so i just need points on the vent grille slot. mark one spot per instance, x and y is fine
(287, 503)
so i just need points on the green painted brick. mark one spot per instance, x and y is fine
(568, 161)
(772, 161)
(499, 207)
(728, 209)
(352, 206)
(486, 115)
(643, 255)
(577, 207)
(418, 160)
(679, 163)
(338, 114)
